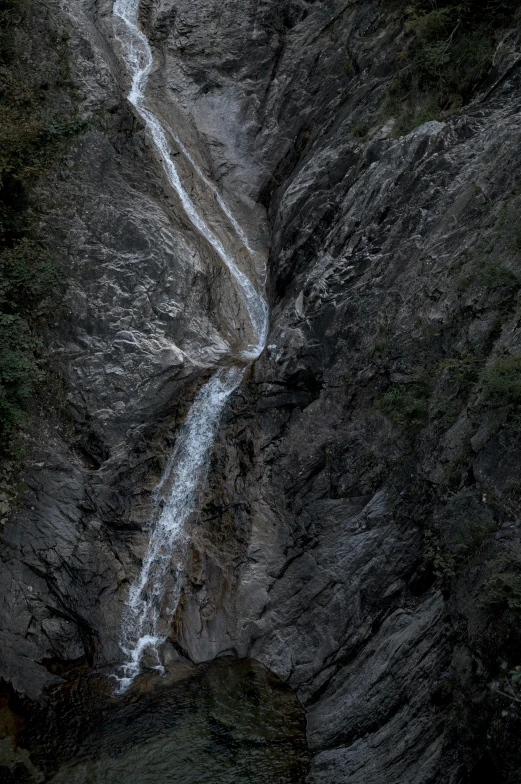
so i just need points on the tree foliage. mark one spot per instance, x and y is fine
(35, 121)
(449, 52)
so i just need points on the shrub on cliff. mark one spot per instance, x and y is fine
(502, 380)
(448, 54)
(407, 404)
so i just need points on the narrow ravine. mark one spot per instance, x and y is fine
(154, 595)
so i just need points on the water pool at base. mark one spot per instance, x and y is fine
(230, 722)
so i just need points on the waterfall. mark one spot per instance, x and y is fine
(154, 595)
(138, 57)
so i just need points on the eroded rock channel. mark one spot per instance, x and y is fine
(347, 602)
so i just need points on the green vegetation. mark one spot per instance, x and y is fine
(443, 562)
(457, 470)
(380, 347)
(490, 273)
(411, 405)
(504, 591)
(407, 404)
(37, 117)
(502, 380)
(360, 130)
(463, 526)
(512, 494)
(448, 55)
(464, 369)
(494, 274)
(515, 676)
(28, 277)
(446, 410)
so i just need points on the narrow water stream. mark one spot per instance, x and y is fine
(154, 595)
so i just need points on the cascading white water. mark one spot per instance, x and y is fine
(138, 57)
(154, 596)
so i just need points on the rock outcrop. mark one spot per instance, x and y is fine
(358, 534)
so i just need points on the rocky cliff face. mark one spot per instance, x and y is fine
(359, 533)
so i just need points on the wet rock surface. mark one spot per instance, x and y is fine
(358, 535)
(229, 720)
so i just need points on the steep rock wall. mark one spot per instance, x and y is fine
(323, 547)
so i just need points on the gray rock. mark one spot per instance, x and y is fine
(307, 549)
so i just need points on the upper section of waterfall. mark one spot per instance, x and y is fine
(137, 54)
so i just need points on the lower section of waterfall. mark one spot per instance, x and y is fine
(155, 594)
